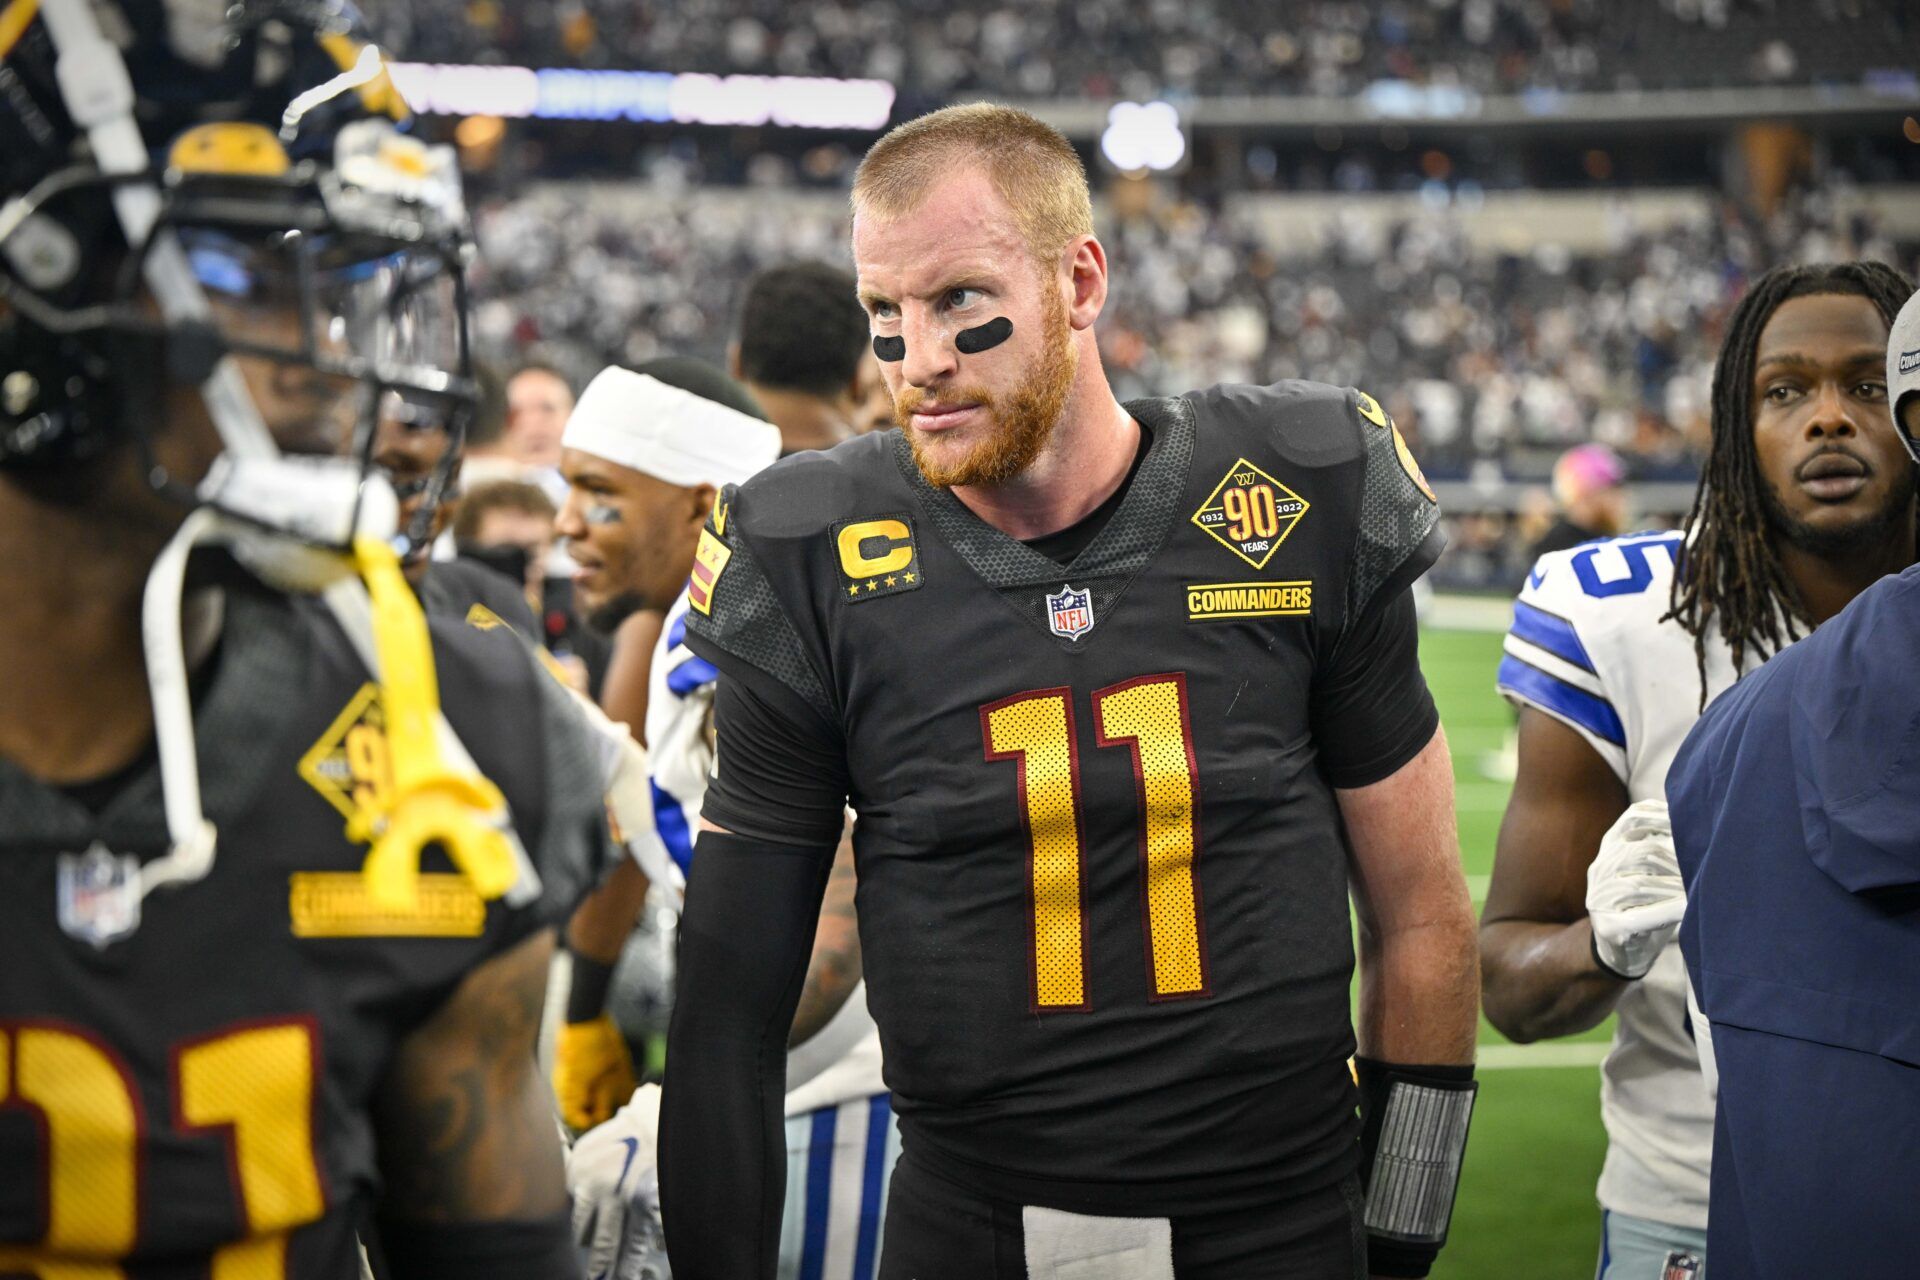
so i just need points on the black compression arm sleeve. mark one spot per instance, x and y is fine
(745, 938)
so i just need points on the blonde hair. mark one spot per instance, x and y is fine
(1035, 170)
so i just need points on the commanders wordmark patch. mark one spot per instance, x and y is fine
(1250, 513)
(336, 904)
(1207, 600)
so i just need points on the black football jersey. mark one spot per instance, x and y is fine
(185, 1080)
(467, 592)
(1102, 873)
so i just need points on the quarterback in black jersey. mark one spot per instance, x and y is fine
(1127, 701)
(279, 864)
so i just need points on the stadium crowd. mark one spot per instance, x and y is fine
(477, 610)
(1108, 48)
(1499, 361)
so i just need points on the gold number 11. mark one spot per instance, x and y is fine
(1149, 716)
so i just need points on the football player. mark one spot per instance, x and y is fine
(801, 350)
(632, 440)
(630, 534)
(1793, 824)
(1807, 497)
(417, 446)
(272, 944)
(1125, 697)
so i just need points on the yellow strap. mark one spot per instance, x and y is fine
(431, 803)
(14, 20)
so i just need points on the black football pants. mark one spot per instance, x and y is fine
(937, 1230)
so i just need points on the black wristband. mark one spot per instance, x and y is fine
(1398, 1259)
(1395, 1254)
(587, 992)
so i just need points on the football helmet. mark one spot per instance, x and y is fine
(194, 195)
(185, 183)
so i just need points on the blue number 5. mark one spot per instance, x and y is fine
(1639, 572)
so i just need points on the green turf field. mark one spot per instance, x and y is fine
(1526, 1204)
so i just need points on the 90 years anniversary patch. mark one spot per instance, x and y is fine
(1250, 513)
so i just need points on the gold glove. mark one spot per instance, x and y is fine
(592, 1072)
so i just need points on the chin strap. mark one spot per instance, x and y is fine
(430, 801)
(191, 837)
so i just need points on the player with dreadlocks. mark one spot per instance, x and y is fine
(1807, 498)
(1748, 553)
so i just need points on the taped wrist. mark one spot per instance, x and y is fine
(539, 1250)
(587, 992)
(1413, 1138)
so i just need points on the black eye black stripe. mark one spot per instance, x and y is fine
(984, 337)
(890, 349)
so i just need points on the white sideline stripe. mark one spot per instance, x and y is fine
(1510, 1057)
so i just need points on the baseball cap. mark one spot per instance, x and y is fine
(1903, 367)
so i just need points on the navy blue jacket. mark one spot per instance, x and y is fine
(1796, 816)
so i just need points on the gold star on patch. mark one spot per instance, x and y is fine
(854, 590)
(909, 577)
(892, 581)
(871, 584)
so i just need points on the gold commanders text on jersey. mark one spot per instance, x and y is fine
(1209, 600)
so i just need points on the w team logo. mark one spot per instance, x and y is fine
(1070, 612)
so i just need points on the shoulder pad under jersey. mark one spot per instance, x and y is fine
(1337, 430)
(755, 593)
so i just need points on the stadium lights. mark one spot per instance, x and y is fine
(560, 93)
(1143, 135)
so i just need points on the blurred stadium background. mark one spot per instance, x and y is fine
(1519, 223)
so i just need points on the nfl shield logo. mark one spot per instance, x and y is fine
(1070, 612)
(1681, 1265)
(99, 894)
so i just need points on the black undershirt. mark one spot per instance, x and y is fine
(95, 794)
(1063, 545)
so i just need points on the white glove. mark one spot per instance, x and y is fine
(614, 1178)
(1634, 894)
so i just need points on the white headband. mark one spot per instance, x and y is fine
(640, 422)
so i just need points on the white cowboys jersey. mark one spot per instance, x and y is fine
(841, 1062)
(1588, 647)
